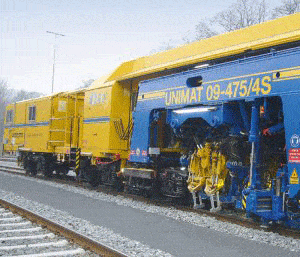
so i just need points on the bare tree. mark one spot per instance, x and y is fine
(87, 83)
(241, 14)
(20, 95)
(204, 30)
(288, 7)
(164, 47)
(4, 91)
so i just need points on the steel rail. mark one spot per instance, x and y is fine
(11, 169)
(8, 159)
(82, 240)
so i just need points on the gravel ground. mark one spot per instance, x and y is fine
(134, 248)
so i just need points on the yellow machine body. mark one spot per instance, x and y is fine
(107, 120)
(48, 124)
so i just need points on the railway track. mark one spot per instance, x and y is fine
(8, 158)
(24, 233)
(20, 237)
(12, 169)
(230, 216)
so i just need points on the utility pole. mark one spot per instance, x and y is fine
(56, 35)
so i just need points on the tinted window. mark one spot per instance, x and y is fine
(9, 116)
(32, 113)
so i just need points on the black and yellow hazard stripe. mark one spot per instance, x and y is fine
(244, 201)
(77, 161)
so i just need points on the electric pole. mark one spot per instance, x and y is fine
(56, 35)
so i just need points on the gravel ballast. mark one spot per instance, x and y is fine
(132, 247)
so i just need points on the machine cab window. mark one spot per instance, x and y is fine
(32, 113)
(9, 116)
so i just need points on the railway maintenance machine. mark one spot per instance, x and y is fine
(45, 132)
(229, 133)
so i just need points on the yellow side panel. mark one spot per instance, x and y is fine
(96, 122)
(96, 138)
(55, 128)
(18, 137)
(275, 32)
(121, 113)
(43, 109)
(7, 144)
(20, 115)
(37, 132)
(98, 102)
(59, 124)
(13, 139)
(14, 134)
(77, 121)
(67, 123)
(104, 107)
(36, 138)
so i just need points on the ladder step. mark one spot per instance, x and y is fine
(270, 211)
(268, 199)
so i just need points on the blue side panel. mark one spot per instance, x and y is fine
(247, 78)
(140, 137)
(291, 104)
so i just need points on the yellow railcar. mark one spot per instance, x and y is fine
(107, 126)
(45, 131)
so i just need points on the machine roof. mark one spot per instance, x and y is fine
(267, 34)
(42, 97)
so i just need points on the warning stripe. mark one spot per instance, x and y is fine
(77, 164)
(244, 200)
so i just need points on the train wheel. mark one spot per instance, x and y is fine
(40, 164)
(27, 170)
(62, 170)
(33, 168)
(91, 175)
(109, 177)
(48, 172)
(26, 164)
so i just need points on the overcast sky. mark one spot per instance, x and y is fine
(99, 35)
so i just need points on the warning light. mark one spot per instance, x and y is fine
(262, 110)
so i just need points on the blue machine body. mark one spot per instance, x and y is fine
(207, 94)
